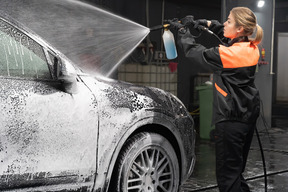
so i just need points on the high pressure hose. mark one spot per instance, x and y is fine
(263, 159)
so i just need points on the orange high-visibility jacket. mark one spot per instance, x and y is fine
(234, 66)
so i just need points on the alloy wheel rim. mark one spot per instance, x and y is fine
(151, 170)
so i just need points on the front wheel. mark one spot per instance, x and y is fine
(147, 163)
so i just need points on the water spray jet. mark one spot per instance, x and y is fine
(94, 40)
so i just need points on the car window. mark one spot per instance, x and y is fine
(20, 56)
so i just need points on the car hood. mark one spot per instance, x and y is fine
(134, 97)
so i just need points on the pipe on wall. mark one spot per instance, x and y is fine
(223, 11)
(272, 39)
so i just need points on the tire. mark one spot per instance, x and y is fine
(147, 163)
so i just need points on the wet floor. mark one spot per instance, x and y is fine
(275, 145)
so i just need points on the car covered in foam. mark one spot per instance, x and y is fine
(64, 130)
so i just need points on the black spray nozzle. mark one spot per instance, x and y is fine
(158, 27)
(167, 25)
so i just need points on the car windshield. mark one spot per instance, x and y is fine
(94, 39)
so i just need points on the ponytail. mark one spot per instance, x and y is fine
(259, 35)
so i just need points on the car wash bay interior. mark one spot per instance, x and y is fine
(147, 65)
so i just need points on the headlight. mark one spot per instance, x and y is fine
(178, 107)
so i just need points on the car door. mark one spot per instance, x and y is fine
(48, 136)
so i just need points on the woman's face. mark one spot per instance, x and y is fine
(230, 29)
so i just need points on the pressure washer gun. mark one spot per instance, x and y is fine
(168, 37)
(184, 22)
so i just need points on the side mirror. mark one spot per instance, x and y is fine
(66, 73)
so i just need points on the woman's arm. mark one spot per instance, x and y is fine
(197, 53)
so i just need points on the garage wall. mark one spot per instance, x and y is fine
(282, 67)
(281, 27)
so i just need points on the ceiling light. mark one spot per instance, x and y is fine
(261, 3)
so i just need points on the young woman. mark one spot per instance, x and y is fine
(236, 102)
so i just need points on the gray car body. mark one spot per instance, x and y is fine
(66, 133)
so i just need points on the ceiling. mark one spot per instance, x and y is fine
(204, 3)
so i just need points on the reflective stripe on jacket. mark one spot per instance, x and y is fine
(234, 67)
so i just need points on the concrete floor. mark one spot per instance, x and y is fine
(275, 145)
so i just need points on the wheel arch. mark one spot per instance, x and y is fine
(166, 130)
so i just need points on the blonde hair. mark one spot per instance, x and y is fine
(247, 19)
